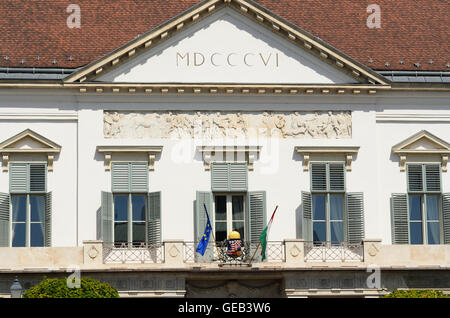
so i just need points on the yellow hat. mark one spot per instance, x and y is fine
(234, 235)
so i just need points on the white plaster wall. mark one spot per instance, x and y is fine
(61, 182)
(278, 170)
(391, 179)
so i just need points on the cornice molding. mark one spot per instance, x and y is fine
(442, 148)
(48, 147)
(347, 151)
(151, 152)
(228, 153)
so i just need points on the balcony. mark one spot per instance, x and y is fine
(179, 254)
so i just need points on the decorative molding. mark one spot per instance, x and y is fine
(69, 116)
(151, 151)
(392, 117)
(211, 125)
(444, 162)
(422, 143)
(221, 89)
(46, 146)
(347, 151)
(232, 153)
(5, 160)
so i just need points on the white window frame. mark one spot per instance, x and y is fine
(130, 221)
(229, 212)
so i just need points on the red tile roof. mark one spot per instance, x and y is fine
(35, 33)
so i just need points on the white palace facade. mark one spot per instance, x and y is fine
(106, 169)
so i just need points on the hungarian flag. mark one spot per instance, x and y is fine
(263, 238)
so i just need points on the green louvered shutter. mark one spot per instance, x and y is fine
(219, 177)
(399, 220)
(154, 218)
(256, 219)
(120, 174)
(355, 217)
(203, 197)
(139, 177)
(446, 217)
(4, 219)
(107, 217)
(318, 177)
(18, 178)
(433, 178)
(257, 214)
(48, 220)
(307, 230)
(37, 178)
(238, 177)
(229, 177)
(415, 178)
(336, 177)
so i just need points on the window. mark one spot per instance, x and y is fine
(328, 192)
(130, 219)
(30, 205)
(229, 215)
(230, 206)
(130, 184)
(130, 215)
(330, 214)
(424, 197)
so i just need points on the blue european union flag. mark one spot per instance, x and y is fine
(201, 247)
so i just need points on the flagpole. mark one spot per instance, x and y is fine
(259, 243)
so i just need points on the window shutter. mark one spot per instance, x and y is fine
(120, 174)
(256, 219)
(318, 177)
(219, 177)
(307, 232)
(18, 178)
(355, 217)
(433, 178)
(399, 221)
(48, 220)
(107, 217)
(200, 224)
(446, 216)
(154, 218)
(4, 219)
(415, 178)
(256, 215)
(229, 177)
(336, 177)
(139, 177)
(38, 176)
(238, 175)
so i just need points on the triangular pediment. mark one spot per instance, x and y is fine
(422, 142)
(227, 42)
(29, 141)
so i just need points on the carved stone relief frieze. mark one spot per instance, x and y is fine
(220, 124)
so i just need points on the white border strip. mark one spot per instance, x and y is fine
(413, 117)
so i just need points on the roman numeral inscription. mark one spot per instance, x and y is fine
(229, 59)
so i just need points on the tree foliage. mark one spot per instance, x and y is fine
(413, 293)
(57, 288)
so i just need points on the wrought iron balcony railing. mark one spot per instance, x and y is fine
(125, 253)
(221, 253)
(333, 251)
